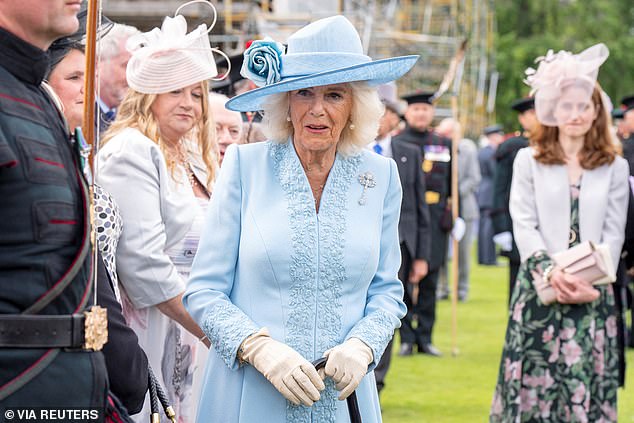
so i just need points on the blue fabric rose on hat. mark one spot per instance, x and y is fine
(263, 62)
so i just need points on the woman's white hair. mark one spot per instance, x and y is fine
(366, 112)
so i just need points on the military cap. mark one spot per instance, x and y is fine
(226, 85)
(523, 104)
(617, 113)
(493, 129)
(62, 46)
(628, 102)
(419, 97)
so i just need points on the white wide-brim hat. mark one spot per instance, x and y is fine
(168, 58)
(327, 51)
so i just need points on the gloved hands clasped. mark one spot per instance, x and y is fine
(291, 374)
(347, 364)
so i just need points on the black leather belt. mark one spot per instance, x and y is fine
(37, 331)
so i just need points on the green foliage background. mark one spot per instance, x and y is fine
(526, 29)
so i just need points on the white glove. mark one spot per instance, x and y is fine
(291, 374)
(459, 228)
(504, 240)
(347, 364)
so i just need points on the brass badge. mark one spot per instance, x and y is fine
(432, 197)
(96, 328)
(427, 166)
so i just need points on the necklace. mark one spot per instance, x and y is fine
(193, 181)
(180, 158)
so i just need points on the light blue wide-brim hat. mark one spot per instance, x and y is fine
(327, 51)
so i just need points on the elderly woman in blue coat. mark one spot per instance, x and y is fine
(300, 253)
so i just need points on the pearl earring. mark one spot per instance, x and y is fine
(352, 127)
(288, 118)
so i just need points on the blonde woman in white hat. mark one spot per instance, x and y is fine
(300, 254)
(158, 160)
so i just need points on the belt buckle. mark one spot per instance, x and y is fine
(95, 328)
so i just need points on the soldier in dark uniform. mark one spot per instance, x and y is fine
(126, 362)
(504, 156)
(436, 155)
(619, 124)
(627, 106)
(413, 225)
(45, 253)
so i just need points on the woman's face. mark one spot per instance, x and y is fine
(575, 112)
(67, 79)
(178, 111)
(319, 115)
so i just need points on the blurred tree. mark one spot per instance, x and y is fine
(527, 29)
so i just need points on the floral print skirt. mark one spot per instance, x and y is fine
(560, 362)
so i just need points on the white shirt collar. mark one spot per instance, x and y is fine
(104, 108)
(386, 145)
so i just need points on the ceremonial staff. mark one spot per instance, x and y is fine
(88, 125)
(452, 78)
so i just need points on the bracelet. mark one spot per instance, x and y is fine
(548, 272)
(240, 353)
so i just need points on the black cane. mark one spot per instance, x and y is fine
(353, 404)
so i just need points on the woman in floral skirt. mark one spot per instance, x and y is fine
(560, 360)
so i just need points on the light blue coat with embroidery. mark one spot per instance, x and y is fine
(267, 259)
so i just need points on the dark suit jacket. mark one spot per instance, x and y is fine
(505, 156)
(101, 122)
(628, 244)
(414, 226)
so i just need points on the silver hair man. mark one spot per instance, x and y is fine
(113, 59)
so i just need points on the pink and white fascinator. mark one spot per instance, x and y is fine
(557, 71)
(169, 58)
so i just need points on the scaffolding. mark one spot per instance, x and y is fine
(434, 29)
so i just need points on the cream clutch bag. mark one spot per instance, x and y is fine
(586, 261)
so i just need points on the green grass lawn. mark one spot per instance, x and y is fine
(459, 388)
